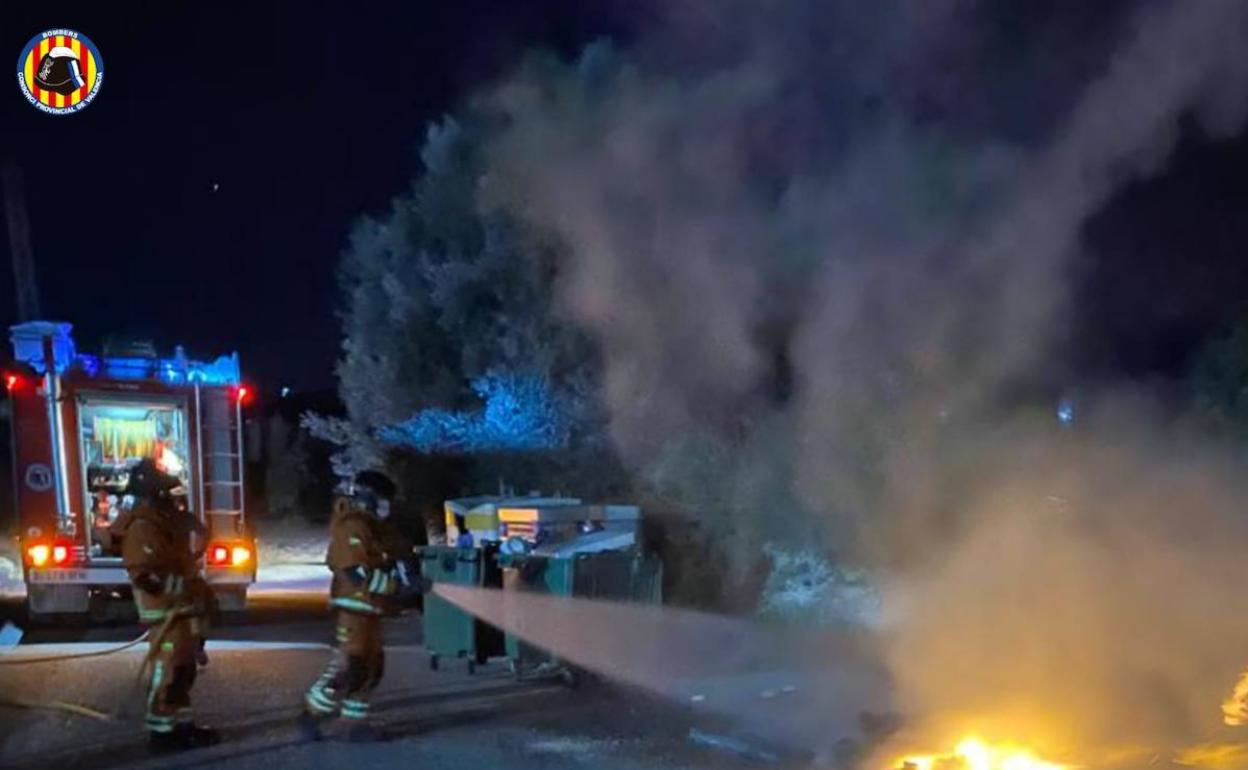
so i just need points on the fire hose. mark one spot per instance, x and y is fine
(78, 708)
(86, 711)
(76, 655)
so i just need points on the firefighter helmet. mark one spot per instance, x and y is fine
(60, 71)
(373, 491)
(148, 482)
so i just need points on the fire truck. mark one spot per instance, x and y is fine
(79, 424)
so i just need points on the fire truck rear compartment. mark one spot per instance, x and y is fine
(115, 434)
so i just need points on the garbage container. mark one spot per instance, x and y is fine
(449, 632)
(616, 575)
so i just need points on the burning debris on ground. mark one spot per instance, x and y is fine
(974, 754)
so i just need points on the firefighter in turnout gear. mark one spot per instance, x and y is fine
(156, 536)
(372, 570)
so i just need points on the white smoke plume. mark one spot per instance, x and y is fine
(880, 205)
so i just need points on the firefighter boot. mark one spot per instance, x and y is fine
(195, 736)
(186, 735)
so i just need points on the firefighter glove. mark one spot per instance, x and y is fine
(382, 582)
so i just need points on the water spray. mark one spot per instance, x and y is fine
(806, 689)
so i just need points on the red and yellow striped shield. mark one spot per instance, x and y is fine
(76, 62)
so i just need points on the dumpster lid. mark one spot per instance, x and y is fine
(488, 504)
(568, 513)
(596, 542)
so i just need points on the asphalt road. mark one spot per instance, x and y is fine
(251, 690)
(262, 661)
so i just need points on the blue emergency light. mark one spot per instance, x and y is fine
(30, 339)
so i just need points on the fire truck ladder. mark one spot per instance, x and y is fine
(221, 456)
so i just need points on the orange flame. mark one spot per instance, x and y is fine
(1235, 708)
(975, 754)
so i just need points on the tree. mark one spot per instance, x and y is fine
(451, 341)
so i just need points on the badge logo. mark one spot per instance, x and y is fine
(60, 71)
(38, 477)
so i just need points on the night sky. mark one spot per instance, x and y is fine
(305, 115)
(1166, 264)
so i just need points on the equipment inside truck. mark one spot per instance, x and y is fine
(117, 435)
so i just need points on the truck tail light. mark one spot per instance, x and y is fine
(38, 554)
(228, 555)
(11, 381)
(218, 555)
(48, 555)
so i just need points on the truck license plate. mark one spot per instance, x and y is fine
(57, 576)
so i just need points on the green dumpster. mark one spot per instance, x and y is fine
(449, 632)
(616, 575)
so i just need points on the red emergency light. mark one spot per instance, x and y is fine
(243, 394)
(11, 382)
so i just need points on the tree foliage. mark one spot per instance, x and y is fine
(452, 343)
(520, 414)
